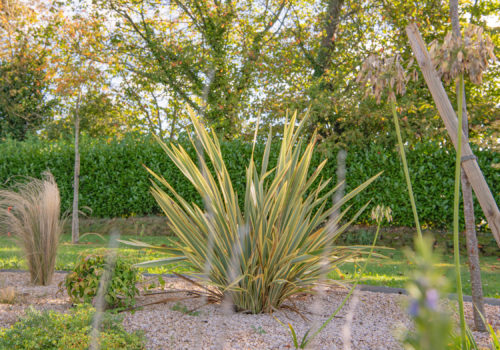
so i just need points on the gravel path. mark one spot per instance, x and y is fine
(368, 321)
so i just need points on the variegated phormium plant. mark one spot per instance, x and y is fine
(272, 249)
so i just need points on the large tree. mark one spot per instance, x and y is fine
(205, 53)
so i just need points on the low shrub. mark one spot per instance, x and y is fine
(51, 330)
(31, 214)
(82, 283)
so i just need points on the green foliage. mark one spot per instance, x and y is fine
(433, 326)
(213, 52)
(99, 117)
(274, 248)
(431, 176)
(258, 330)
(294, 81)
(23, 107)
(51, 330)
(113, 182)
(227, 58)
(82, 283)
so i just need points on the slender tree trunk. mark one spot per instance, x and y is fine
(160, 127)
(174, 121)
(470, 227)
(158, 117)
(341, 171)
(75, 232)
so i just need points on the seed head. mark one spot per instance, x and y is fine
(384, 74)
(456, 56)
(380, 212)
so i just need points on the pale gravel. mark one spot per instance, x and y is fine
(376, 318)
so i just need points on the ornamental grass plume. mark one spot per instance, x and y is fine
(31, 214)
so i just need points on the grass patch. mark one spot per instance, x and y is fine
(11, 256)
(52, 330)
(389, 272)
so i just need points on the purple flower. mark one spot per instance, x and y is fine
(431, 299)
(413, 309)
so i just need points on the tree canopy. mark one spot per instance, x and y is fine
(135, 66)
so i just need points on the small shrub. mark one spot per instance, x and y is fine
(50, 330)
(259, 330)
(31, 214)
(82, 283)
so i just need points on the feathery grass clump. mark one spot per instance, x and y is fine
(31, 214)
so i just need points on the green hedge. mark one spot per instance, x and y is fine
(114, 182)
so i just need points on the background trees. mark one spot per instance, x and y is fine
(204, 54)
(24, 102)
(146, 60)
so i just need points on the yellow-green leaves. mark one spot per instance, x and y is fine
(261, 255)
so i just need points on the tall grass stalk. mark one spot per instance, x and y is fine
(456, 247)
(405, 169)
(31, 214)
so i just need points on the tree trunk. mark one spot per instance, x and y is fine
(323, 59)
(470, 227)
(174, 121)
(75, 232)
(341, 171)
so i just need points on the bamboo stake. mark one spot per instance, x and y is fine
(469, 162)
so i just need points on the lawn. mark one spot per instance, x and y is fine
(389, 271)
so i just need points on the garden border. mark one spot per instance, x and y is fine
(361, 287)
